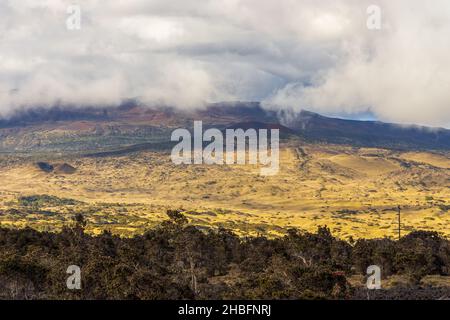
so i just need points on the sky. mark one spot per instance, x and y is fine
(289, 54)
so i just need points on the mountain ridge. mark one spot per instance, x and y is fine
(131, 124)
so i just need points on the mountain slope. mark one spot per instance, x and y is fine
(93, 129)
(369, 133)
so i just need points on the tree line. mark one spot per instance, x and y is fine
(176, 260)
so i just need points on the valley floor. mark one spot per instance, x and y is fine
(354, 191)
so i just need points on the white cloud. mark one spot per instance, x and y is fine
(400, 73)
(296, 54)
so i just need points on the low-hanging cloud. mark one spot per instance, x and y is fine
(290, 54)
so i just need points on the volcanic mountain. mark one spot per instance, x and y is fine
(131, 125)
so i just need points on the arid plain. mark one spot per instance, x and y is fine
(354, 191)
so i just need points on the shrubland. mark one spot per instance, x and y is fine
(176, 260)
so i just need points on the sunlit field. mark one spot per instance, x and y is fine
(354, 191)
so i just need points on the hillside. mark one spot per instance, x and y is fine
(92, 130)
(115, 165)
(355, 191)
(369, 133)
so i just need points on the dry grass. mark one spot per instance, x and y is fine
(353, 191)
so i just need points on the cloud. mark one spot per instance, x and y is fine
(400, 73)
(292, 54)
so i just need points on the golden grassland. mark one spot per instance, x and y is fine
(354, 191)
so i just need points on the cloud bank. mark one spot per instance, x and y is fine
(292, 54)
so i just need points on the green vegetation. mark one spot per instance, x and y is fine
(46, 200)
(176, 260)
